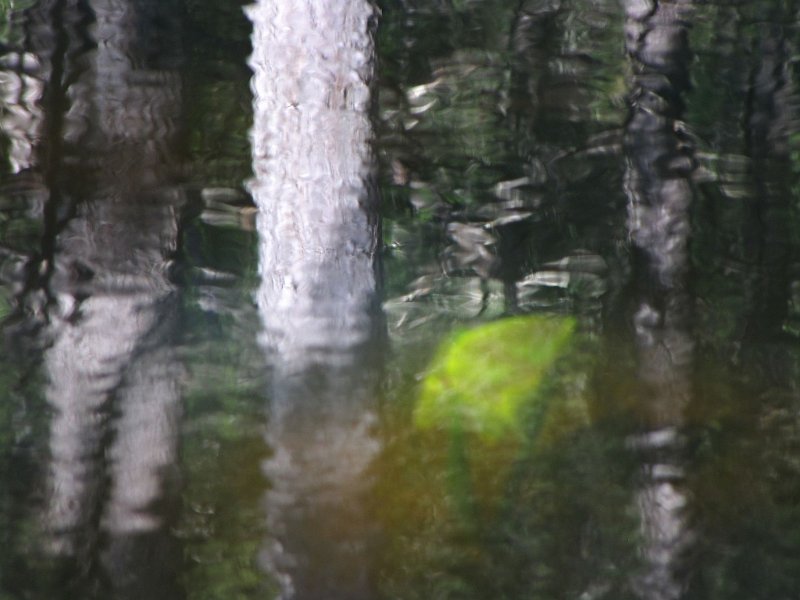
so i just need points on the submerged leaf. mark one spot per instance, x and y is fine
(482, 377)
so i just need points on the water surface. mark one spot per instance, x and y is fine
(465, 299)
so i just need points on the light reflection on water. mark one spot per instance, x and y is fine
(197, 403)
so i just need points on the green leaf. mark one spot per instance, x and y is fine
(481, 378)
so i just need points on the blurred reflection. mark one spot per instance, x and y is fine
(747, 262)
(319, 237)
(770, 120)
(102, 291)
(24, 72)
(21, 92)
(500, 129)
(659, 192)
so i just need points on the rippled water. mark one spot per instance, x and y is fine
(423, 299)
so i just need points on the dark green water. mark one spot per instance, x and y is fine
(442, 299)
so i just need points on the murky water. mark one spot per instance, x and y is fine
(424, 299)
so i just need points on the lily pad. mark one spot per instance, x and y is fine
(481, 378)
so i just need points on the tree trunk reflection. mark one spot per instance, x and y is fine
(319, 237)
(659, 163)
(101, 289)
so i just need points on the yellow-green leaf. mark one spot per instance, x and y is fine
(481, 378)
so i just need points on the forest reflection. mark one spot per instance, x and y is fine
(242, 249)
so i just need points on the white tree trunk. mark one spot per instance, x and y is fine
(318, 240)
